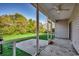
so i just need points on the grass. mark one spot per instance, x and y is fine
(19, 36)
(44, 37)
(7, 50)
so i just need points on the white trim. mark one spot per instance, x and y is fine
(1, 42)
(47, 29)
(14, 48)
(49, 26)
(51, 30)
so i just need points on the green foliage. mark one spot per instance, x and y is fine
(18, 24)
(31, 26)
(42, 29)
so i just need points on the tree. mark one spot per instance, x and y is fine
(21, 23)
(18, 24)
(6, 24)
(30, 26)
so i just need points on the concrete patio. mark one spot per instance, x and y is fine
(29, 46)
(61, 47)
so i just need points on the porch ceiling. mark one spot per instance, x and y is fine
(54, 12)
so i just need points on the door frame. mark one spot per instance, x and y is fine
(70, 30)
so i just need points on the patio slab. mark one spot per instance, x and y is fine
(62, 47)
(29, 46)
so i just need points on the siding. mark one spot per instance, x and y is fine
(75, 33)
(61, 30)
(75, 27)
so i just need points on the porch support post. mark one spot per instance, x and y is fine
(14, 48)
(51, 30)
(47, 30)
(37, 29)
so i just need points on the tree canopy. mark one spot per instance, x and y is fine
(18, 24)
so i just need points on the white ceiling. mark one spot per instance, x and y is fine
(53, 13)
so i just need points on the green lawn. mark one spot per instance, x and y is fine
(44, 37)
(20, 36)
(7, 51)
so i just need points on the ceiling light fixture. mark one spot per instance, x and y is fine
(58, 11)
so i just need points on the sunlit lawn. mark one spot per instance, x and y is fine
(20, 36)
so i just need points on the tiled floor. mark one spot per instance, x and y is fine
(61, 47)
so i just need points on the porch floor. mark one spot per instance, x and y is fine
(62, 47)
(29, 46)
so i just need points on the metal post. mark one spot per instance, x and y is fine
(14, 48)
(47, 29)
(37, 28)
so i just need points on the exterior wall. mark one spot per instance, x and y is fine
(75, 27)
(61, 30)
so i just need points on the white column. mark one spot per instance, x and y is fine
(14, 48)
(47, 29)
(51, 29)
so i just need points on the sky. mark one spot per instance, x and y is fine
(25, 9)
